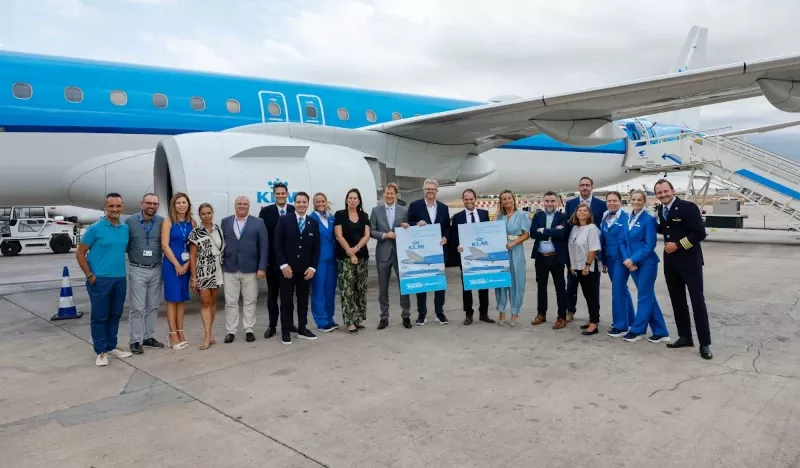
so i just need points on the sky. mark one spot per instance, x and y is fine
(470, 49)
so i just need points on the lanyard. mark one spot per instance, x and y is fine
(185, 233)
(147, 231)
(633, 219)
(241, 227)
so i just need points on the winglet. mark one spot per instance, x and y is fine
(691, 57)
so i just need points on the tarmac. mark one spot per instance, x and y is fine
(433, 396)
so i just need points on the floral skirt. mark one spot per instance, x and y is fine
(352, 284)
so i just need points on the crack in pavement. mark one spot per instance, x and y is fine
(749, 347)
(789, 315)
(692, 378)
(207, 405)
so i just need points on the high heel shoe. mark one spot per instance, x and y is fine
(180, 345)
(184, 342)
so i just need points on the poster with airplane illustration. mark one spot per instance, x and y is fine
(421, 259)
(484, 260)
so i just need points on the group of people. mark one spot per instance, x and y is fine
(304, 250)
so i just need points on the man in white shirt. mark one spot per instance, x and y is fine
(384, 219)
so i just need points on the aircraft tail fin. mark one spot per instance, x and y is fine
(692, 57)
(477, 253)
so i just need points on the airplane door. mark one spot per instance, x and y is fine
(311, 111)
(273, 107)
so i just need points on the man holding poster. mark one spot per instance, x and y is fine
(422, 213)
(470, 215)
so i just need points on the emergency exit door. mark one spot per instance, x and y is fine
(311, 111)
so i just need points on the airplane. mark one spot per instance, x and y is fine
(479, 255)
(72, 130)
(416, 259)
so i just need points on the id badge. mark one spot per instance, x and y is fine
(147, 253)
(185, 256)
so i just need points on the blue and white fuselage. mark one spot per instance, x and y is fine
(56, 113)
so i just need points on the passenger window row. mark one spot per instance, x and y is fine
(74, 94)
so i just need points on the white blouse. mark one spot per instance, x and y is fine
(582, 240)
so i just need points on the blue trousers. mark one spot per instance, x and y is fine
(648, 311)
(323, 293)
(622, 311)
(107, 296)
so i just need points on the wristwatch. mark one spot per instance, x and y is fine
(588, 264)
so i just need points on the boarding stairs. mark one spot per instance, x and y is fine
(766, 179)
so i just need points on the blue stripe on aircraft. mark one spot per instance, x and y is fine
(771, 184)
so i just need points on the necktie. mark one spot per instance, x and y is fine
(390, 215)
(302, 223)
(664, 211)
(472, 217)
(283, 212)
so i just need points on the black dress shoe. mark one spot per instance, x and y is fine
(705, 352)
(250, 337)
(681, 343)
(270, 332)
(468, 320)
(136, 348)
(359, 326)
(229, 338)
(407, 322)
(587, 332)
(485, 318)
(383, 324)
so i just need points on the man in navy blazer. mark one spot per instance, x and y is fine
(470, 215)
(550, 229)
(297, 256)
(598, 206)
(422, 212)
(270, 214)
(244, 262)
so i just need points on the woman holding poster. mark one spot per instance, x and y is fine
(517, 226)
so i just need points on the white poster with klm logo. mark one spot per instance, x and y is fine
(421, 259)
(484, 258)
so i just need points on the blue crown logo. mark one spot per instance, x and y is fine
(277, 181)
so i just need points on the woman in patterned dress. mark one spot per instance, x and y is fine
(175, 232)
(206, 244)
(518, 224)
(351, 227)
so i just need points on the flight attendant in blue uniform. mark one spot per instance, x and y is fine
(323, 284)
(682, 225)
(612, 230)
(638, 249)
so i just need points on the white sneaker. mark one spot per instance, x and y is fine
(102, 360)
(118, 353)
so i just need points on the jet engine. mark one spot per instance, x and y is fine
(218, 167)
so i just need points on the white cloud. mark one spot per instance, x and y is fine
(72, 9)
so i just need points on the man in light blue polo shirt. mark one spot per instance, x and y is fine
(101, 256)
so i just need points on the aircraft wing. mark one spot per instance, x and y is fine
(581, 117)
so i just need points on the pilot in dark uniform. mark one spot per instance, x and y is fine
(682, 226)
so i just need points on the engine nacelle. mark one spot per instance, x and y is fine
(218, 167)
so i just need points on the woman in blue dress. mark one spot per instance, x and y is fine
(323, 284)
(518, 224)
(613, 228)
(639, 252)
(175, 268)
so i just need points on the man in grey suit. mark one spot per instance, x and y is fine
(383, 221)
(244, 262)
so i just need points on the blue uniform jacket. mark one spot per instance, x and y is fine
(327, 239)
(639, 242)
(611, 237)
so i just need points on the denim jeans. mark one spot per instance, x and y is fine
(107, 296)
